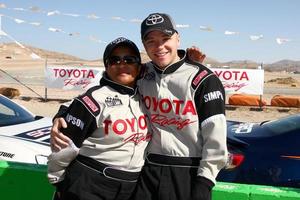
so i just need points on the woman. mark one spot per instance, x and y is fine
(109, 133)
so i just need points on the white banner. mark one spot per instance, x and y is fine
(247, 81)
(72, 78)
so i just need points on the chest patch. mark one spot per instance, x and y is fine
(199, 77)
(113, 101)
(90, 103)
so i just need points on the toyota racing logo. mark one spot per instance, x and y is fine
(154, 19)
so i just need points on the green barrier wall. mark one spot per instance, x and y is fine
(232, 191)
(19, 181)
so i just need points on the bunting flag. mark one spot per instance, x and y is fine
(35, 23)
(231, 33)
(55, 12)
(35, 56)
(118, 18)
(182, 25)
(256, 37)
(93, 16)
(282, 40)
(55, 29)
(3, 33)
(206, 28)
(19, 21)
(71, 15)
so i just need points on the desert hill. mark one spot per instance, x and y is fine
(13, 53)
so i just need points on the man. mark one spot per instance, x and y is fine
(186, 105)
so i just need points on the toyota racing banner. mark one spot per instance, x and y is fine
(247, 81)
(72, 78)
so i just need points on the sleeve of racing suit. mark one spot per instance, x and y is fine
(62, 110)
(210, 105)
(81, 123)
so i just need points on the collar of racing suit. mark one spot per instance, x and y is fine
(105, 80)
(173, 67)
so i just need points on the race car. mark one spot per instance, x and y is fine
(266, 153)
(24, 137)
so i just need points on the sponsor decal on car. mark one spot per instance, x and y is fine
(6, 154)
(243, 128)
(37, 135)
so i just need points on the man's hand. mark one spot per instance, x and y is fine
(58, 140)
(194, 54)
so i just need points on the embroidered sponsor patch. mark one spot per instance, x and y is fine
(90, 103)
(75, 121)
(198, 78)
(213, 96)
(113, 101)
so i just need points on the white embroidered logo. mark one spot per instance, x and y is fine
(154, 19)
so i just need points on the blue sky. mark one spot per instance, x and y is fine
(77, 34)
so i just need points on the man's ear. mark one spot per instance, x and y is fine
(178, 40)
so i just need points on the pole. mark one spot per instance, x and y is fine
(46, 98)
(261, 96)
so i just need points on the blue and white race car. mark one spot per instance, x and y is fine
(266, 153)
(24, 137)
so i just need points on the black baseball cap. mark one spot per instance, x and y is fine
(121, 41)
(159, 22)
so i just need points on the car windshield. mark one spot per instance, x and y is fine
(287, 124)
(11, 113)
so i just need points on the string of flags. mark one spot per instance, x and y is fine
(93, 16)
(4, 34)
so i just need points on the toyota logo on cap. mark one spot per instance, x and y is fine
(154, 19)
(159, 22)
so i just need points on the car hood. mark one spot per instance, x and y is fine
(27, 142)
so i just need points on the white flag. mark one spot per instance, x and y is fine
(256, 37)
(231, 33)
(35, 23)
(71, 15)
(117, 18)
(19, 21)
(282, 40)
(54, 29)
(205, 28)
(55, 12)
(34, 56)
(3, 33)
(92, 16)
(182, 26)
